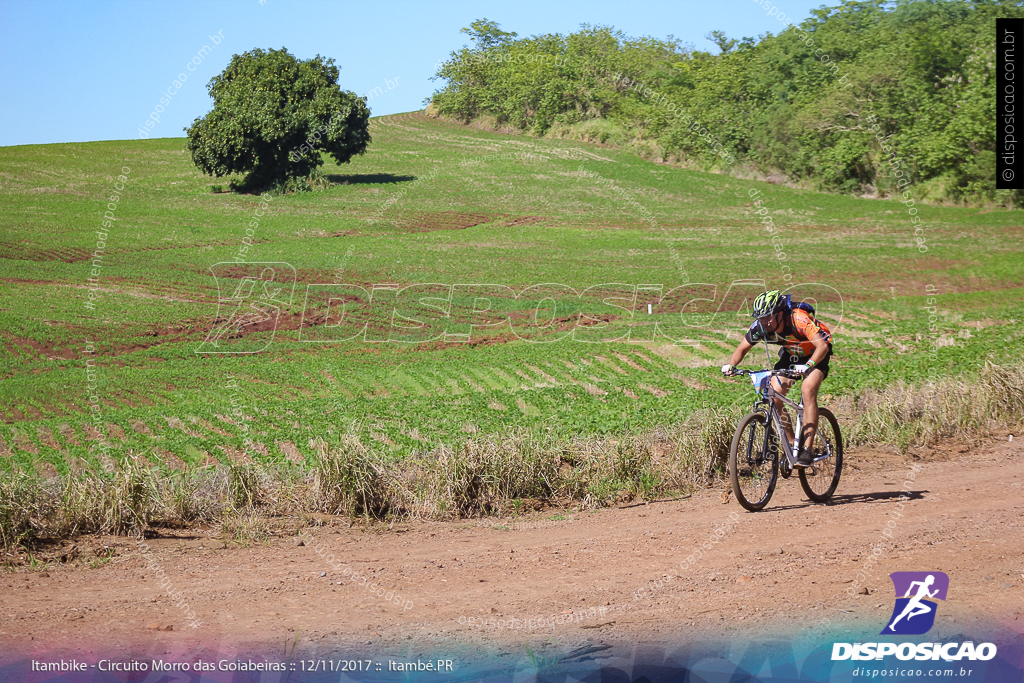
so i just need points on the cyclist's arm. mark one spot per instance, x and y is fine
(740, 352)
(820, 349)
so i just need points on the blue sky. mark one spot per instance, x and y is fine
(92, 70)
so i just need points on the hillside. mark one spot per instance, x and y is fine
(449, 205)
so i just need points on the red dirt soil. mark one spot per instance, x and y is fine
(783, 569)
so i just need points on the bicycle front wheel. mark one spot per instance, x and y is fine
(753, 462)
(820, 480)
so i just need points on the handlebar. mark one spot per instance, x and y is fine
(788, 374)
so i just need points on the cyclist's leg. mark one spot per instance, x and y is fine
(809, 392)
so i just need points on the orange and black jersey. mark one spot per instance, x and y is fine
(798, 328)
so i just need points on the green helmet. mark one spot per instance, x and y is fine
(767, 303)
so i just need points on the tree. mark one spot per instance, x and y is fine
(719, 38)
(487, 34)
(272, 117)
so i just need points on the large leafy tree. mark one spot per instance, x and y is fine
(273, 116)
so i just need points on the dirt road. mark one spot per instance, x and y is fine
(787, 569)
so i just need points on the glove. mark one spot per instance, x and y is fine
(728, 369)
(801, 369)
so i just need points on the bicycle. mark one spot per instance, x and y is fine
(754, 464)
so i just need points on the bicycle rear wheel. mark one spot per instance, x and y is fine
(753, 462)
(820, 481)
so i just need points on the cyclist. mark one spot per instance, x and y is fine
(805, 342)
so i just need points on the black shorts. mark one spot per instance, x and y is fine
(787, 361)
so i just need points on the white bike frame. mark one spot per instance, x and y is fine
(780, 429)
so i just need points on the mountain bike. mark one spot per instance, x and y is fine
(754, 462)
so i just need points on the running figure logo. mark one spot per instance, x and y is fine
(914, 612)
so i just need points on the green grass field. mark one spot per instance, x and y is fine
(538, 214)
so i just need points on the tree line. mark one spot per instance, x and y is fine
(827, 103)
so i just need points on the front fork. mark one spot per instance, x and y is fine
(765, 449)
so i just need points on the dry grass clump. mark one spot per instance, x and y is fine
(485, 475)
(192, 494)
(352, 479)
(244, 527)
(477, 477)
(18, 503)
(118, 502)
(596, 472)
(954, 407)
(701, 446)
(244, 486)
